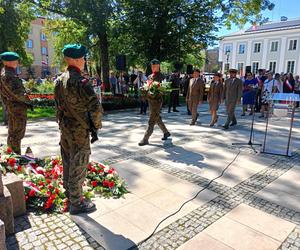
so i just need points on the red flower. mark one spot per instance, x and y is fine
(111, 184)
(89, 166)
(94, 183)
(110, 171)
(100, 171)
(57, 190)
(41, 183)
(12, 161)
(31, 193)
(105, 183)
(55, 162)
(50, 186)
(26, 198)
(9, 150)
(48, 181)
(93, 170)
(19, 169)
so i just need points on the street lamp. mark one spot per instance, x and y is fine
(227, 53)
(180, 20)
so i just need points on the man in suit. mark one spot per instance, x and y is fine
(233, 91)
(195, 94)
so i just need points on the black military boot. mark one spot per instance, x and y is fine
(84, 207)
(143, 142)
(166, 135)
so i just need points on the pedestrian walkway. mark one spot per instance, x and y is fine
(255, 204)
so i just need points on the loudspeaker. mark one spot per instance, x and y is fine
(189, 69)
(248, 69)
(178, 66)
(121, 62)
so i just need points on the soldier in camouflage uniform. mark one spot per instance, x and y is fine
(15, 99)
(75, 101)
(155, 104)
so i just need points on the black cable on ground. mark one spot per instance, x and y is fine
(201, 190)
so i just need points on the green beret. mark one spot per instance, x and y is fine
(155, 61)
(74, 51)
(233, 70)
(9, 56)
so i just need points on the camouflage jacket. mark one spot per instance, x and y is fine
(74, 90)
(11, 82)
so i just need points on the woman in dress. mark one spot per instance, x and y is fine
(215, 97)
(289, 84)
(249, 92)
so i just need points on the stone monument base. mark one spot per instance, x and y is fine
(6, 211)
(16, 189)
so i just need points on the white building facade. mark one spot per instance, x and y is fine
(272, 46)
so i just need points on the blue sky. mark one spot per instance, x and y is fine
(288, 8)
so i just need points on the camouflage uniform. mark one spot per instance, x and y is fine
(155, 104)
(17, 110)
(74, 91)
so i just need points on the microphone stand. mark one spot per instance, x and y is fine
(250, 142)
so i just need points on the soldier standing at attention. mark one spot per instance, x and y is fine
(15, 99)
(75, 102)
(233, 91)
(195, 95)
(155, 103)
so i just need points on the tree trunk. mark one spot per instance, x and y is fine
(104, 59)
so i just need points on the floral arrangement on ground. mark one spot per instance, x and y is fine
(43, 180)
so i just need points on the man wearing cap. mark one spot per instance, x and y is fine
(233, 91)
(155, 104)
(15, 99)
(195, 95)
(75, 102)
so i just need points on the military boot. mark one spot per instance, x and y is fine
(83, 207)
(166, 135)
(143, 142)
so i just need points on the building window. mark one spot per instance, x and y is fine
(240, 68)
(257, 47)
(227, 49)
(290, 67)
(274, 46)
(242, 48)
(255, 66)
(43, 36)
(29, 44)
(44, 51)
(272, 67)
(293, 45)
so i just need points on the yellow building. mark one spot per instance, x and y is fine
(42, 52)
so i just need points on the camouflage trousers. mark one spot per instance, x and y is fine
(17, 119)
(154, 118)
(75, 152)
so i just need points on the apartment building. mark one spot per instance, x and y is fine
(273, 46)
(41, 50)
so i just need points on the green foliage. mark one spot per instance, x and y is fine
(15, 18)
(46, 87)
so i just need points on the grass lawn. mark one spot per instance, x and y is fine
(37, 113)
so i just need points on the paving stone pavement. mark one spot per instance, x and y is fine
(117, 145)
(49, 231)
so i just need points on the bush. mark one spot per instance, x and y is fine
(46, 87)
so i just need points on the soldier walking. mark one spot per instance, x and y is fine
(75, 102)
(155, 103)
(195, 95)
(233, 91)
(15, 100)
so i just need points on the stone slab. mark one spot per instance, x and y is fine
(2, 235)
(239, 236)
(16, 189)
(6, 211)
(267, 224)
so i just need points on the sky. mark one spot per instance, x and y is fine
(288, 8)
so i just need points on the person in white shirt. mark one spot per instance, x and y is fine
(271, 85)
